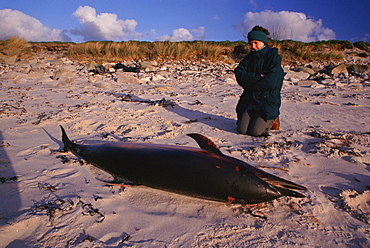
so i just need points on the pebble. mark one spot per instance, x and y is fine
(306, 82)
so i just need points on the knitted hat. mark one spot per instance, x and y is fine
(257, 35)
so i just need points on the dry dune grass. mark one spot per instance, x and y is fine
(226, 51)
(14, 45)
(148, 50)
(305, 52)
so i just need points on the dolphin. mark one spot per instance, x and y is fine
(197, 172)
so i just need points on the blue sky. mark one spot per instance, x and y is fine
(176, 20)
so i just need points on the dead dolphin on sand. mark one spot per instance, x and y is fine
(203, 173)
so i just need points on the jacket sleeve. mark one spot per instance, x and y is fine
(272, 76)
(245, 79)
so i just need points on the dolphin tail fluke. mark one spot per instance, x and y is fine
(68, 144)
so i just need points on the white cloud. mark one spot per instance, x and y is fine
(287, 25)
(253, 3)
(366, 38)
(103, 26)
(163, 38)
(183, 34)
(199, 33)
(16, 23)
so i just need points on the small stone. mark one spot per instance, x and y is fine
(90, 66)
(164, 88)
(39, 73)
(342, 68)
(11, 75)
(127, 79)
(230, 81)
(149, 66)
(158, 78)
(8, 60)
(305, 69)
(62, 73)
(296, 76)
(328, 81)
(359, 69)
(103, 85)
(306, 82)
(55, 61)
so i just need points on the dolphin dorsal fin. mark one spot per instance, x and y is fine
(205, 143)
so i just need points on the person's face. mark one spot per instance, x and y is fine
(256, 44)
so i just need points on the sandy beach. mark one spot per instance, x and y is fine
(54, 199)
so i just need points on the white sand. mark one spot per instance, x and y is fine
(323, 144)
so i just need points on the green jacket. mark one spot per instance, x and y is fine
(260, 92)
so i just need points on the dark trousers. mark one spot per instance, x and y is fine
(252, 123)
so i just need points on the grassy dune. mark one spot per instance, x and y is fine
(109, 51)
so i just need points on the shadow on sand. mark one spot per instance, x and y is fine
(216, 121)
(9, 193)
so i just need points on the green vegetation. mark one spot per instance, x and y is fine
(227, 51)
(362, 45)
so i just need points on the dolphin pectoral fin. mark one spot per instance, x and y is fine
(205, 143)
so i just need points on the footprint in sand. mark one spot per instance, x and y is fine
(37, 150)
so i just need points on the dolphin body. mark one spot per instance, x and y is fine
(203, 173)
